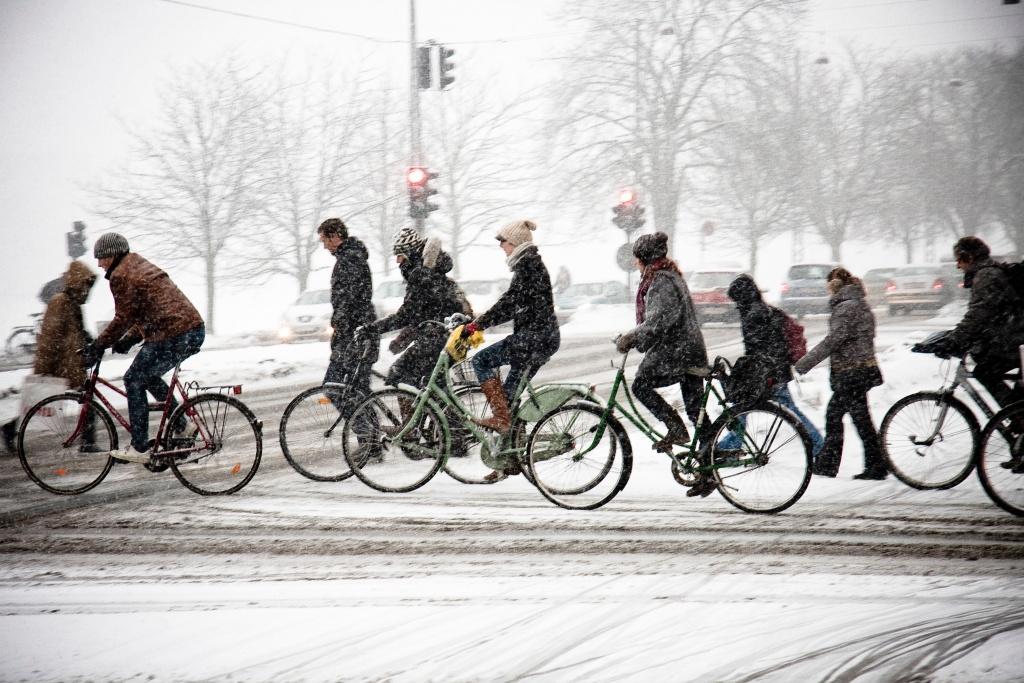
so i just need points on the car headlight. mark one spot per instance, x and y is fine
(285, 332)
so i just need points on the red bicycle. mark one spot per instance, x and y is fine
(65, 440)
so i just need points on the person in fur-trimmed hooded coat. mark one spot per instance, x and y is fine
(429, 295)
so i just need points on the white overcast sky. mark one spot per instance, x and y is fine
(72, 70)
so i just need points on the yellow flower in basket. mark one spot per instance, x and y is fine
(458, 346)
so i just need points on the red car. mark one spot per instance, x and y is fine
(707, 289)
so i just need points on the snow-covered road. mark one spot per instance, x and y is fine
(296, 580)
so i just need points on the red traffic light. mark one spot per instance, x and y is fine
(627, 196)
(416, 176)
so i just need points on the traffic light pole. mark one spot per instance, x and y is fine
(415, 129)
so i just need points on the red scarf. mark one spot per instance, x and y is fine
(664, 263)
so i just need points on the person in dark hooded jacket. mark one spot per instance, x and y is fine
(351, 299)
(61, 336)
(850, 348)
(529, 304)
(668, 333)
(429, 295)
(764, 337)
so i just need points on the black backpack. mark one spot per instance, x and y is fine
(1015, 274)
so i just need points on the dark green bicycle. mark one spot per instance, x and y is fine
(568, 449)
(398, 438)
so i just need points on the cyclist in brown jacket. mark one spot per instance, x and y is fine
(148, 307)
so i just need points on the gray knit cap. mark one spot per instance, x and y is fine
(110, 244)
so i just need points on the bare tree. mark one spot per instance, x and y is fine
(310, 149)
(191, 183)
(634, 102)
(477, 148)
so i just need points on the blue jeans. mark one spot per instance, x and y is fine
(781, 396)
(487, 361)
(153, 360)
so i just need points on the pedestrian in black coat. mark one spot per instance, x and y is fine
(351, 299)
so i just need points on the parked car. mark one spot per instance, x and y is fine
(804, 290)
(918, 287)
(309, 318)
(708, 291)
(593, 293)
(875, 281)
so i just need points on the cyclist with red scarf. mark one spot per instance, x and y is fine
(668, 333)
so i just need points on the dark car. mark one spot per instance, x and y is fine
(804, 290)
(920, 287)
(707, 289)
(875, 281)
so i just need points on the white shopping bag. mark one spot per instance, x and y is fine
(37, 387)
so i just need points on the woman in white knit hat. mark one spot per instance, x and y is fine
(529, 303)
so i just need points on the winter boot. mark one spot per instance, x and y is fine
(874, 465)
(677, 435)
(500, 421)
(10, 431)
(826, 465)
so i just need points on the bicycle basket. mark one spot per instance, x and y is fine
(748, 382)
(464, 373)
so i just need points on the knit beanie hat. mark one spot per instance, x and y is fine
(651, 247)
(517, 233)
(110, 244)
(407, 241)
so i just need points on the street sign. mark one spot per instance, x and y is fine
(624, 257)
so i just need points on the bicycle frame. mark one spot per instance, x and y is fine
(960, 380)
(92, 389)
(632, 414)
(438, 392)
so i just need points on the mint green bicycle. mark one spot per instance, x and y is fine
(398, 438)
(767, 474)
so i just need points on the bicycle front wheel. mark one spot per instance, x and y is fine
(772, 466)
(1001, 459)
(64, 445)
(21, 344)
(311, 433)
(578, 457)
(223, 446)
(378, 457)
(929, 440)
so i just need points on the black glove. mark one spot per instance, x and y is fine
(364, 331)
(91, 353)
(125, 344)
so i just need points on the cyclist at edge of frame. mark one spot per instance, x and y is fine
(148, 307)
(992, 329)
(529, 303)
(669, 335)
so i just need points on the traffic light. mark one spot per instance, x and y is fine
(76, 240)
(423, 67)
(629, 215)
(418, 178)
(444, 65)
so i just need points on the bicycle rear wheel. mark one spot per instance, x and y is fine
(384, 463)
(54, 463)
(311, 434)
(929, 440)
(578, 457)
(1001, 459)
(223, 447)
(772, 467)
